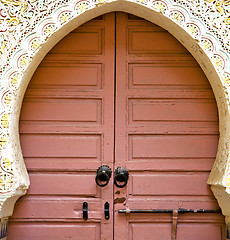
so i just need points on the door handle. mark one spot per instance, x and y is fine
(85, 210)
(121, 176)
(106, 210)
(103, 175)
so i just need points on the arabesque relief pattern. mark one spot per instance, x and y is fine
(25, 25)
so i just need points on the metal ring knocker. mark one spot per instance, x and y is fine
(121, 176)
(103, 175)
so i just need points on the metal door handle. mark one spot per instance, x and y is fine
(85, 210)
(103, 175)
(121, 176)
(180, 210)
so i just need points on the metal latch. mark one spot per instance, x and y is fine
(175, 213)
(106, 210)
(85, 210)
(180, 210)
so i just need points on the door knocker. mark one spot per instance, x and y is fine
(121, 176)
(103, 175)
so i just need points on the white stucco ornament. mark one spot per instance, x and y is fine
(30, 28)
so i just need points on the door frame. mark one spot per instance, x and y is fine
(191, 30)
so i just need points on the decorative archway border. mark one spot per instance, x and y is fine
(30, 28)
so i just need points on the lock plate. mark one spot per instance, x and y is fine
(106, 210)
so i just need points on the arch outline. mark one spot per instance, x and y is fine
(35, 36)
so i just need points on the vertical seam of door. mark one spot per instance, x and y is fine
(115, 88)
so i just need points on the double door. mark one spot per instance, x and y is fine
(122, 92)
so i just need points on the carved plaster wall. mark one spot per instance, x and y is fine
(30, 28)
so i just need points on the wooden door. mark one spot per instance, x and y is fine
(123, 92)
(66, 131)
(166, 135)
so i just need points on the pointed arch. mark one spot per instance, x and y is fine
(20, 62)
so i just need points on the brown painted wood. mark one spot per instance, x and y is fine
(66, 130)
(166, 135)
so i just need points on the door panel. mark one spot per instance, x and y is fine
(50, 110)
(170, 110)
(57, 231)
(66, 130)
(166, 133)
(140, 41)
(167, 74)
(185, 231)
(89, 75)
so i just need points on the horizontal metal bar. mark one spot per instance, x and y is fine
(180, 210)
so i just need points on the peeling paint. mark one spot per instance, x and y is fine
(119, 200)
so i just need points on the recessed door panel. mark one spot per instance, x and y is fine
(88, 75)
(57, 231)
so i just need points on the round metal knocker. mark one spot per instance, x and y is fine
(103, 175)
(121, 176)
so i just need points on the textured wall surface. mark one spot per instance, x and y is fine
(30, 28)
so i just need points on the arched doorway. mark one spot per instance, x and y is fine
(123, 92)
